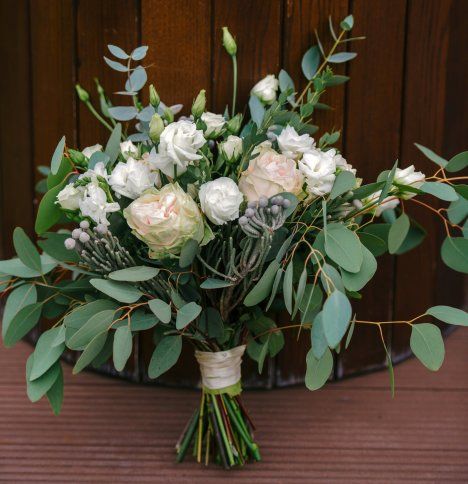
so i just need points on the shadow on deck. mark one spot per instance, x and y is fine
(351, 431)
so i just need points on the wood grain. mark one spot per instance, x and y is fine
(351, 431)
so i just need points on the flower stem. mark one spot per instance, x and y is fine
(234, 84)
(98, 116)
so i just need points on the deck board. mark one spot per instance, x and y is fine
(351, 431)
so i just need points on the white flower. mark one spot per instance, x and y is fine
(319, 169)
(231, 148)
(98, 170)
(266, 89)
(341, 163)
(386, 204)
(220, 200)
(294, 145)
(214, 124)
(90, 150)
(409, 177)
(132, 178)
(178, 147)
(94, 204)
(69, 197)
(128, 149)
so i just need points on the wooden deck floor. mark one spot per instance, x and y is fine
(352, 431)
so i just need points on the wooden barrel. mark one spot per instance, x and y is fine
(406, 86)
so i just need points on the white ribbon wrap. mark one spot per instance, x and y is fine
(220, 369)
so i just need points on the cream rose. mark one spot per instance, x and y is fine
(178, 146)
(214, 124)
(293, 145)
(409, 177)
(266, 89)
(164, 220)
(220, 200)
(269, 174)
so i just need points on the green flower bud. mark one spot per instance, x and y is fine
(156, 127)
(234, 124)
(77, 157)
(198, 106)
(154, 97)
(168, 115)
(229, 42)
(82, 94)
(99, 88)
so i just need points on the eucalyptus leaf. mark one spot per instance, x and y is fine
(113, 144)
(122, 347)
(45, 354)
(188, 253)
(161, 309)
(427, 344)
(440, 190)
(92, 349)
(38, 388)
(343, 247)
(120, 291)
(123, 113)
(449, 315)
(212, 283)
(287, 287)
(23, 321)
(344, 182)
(355, 281)
(118, 52)
(137, 80)
(341, 57)
(98, 323)
(134, 274)
(55, 394)
(318, 370)
(454, 253)
(317, 335)
(49, 213)
(262, 288)
(165, 355)
(117, 66)
(186, 314)
(431, 155)
(458, 162)
(336, 315)
(20, 297)
(139, 53)
(257, 110)
(310, 62)
(398, 232)
(57, 156)
(26, 250)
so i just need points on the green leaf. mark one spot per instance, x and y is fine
(318, 370)
(24, 320)
(26, 250)
(92, 349)
(258, 351)
(343, 247)
(53, 244)
(336, 314)
(317, 335)
(161, 309)
(440, 190)
(458, 162)
(350, 332)
(300, 291)
(388, 183)
(341, 57)
(355, 281)
(20, 297)
(449, 315)
(48, 213)
(454, 253)
(57, 156)
(60, 336)
(45, 354)
(257, 110)
(186, 314)
(310, 62)
(336, 80)
(14, 267)
(113, 145)
(373, 243)
(347, 23)
(188, 253)
(344, 182)
(211, 323)
(331, 279)
(366, 190)
(98, 323)
(274, 289)
(262, 289)
(431, 155)
(286, 84)
(122, 347)
(414, 237)
(427, 344)
(120, 291)
(55, 394)
(165, 355)
(38, 388)
(53, 180)
(134, 274)
(212, 283)
(292, 206)
(287, 287)
(310, 303)
(398, 232)
(458, 210)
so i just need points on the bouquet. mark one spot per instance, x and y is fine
(199, 228)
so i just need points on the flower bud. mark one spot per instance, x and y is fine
(70, 244)
(198, 106)
(234, 124)
(77, 157)
(154, 97)
(229, 42)
(156, 127)
(82, 94)
(168, 115)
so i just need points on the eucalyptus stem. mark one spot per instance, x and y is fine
(234, 84)
(98, 116)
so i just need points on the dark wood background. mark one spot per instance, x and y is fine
(408, 84)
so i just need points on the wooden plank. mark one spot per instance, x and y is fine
(424, 118)
(300, 20)
(256, 26)
(179, 37)
(15, 123)
(372, 140)
(418, 436)
(178, 34)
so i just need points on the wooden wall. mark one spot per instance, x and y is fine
(408, 84)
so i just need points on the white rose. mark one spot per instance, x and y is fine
(409, 177)
(90, 150)
(386, 204)
(94, 204)
(214, 124)
(269, 174)
(132, 178)
(178, 147)
(319, 168)
(293, 145)
(266, 89)
(98, 170)
(70, 196)
(231, 148)
(220, 200)
(341, 163)
(128, 149)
